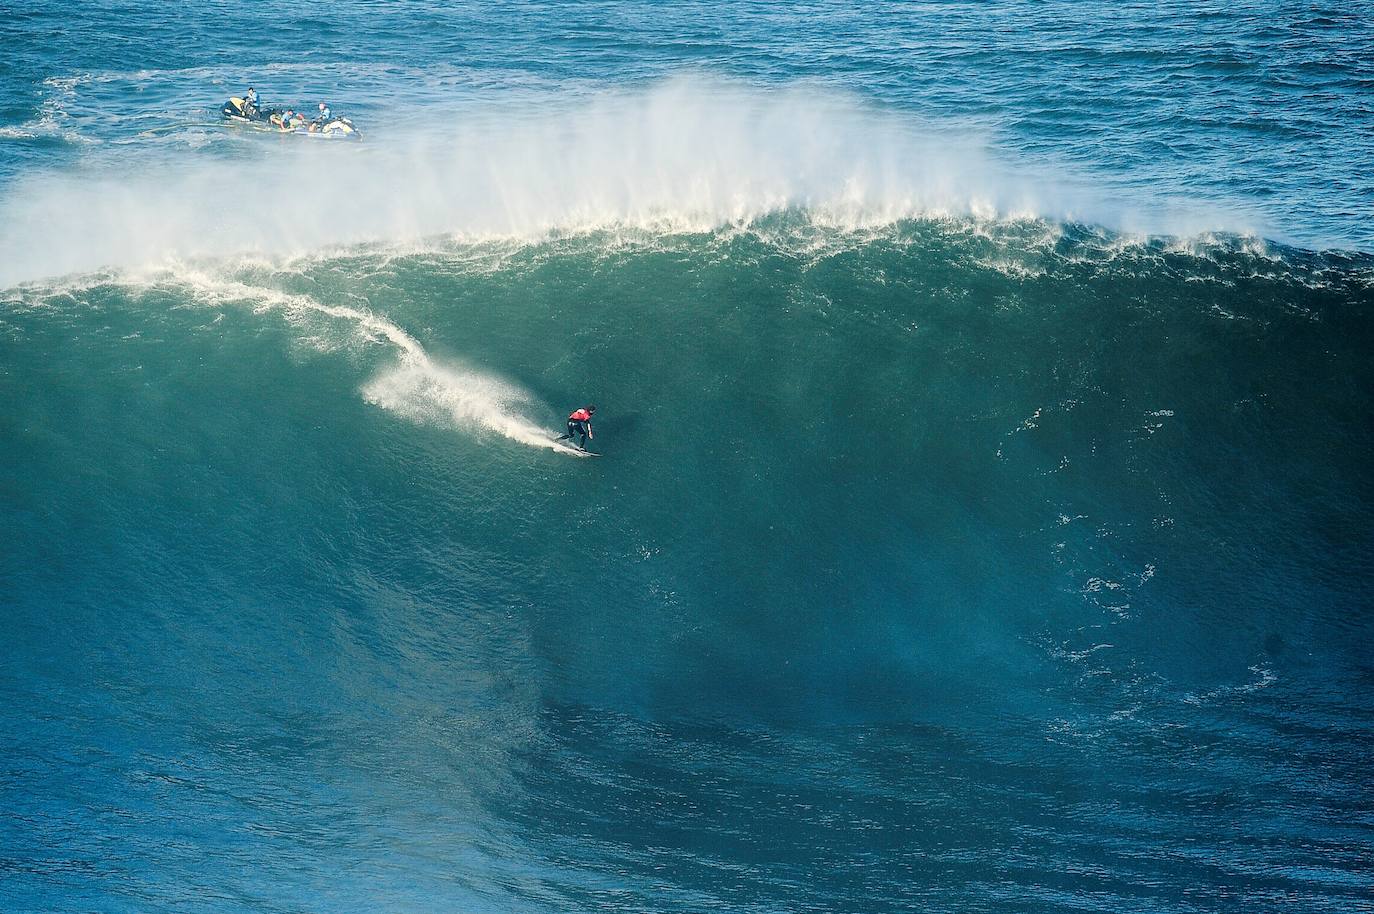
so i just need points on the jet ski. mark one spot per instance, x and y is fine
(274, 120)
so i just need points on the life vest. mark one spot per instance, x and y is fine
(580, 415)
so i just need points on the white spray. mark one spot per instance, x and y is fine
(417, 387)
(688, 154)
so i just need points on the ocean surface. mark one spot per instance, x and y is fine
(985, 514)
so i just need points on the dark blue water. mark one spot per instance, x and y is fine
(983, 521)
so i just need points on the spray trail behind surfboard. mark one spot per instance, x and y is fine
(417, 387)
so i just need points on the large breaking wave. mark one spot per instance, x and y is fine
(686, 154)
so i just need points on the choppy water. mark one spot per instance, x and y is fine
(983, 521)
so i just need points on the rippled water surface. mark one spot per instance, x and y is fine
(982, 521)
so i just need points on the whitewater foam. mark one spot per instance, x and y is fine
(53, 120)
(686, 155)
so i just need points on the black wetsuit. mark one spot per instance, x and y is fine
(579, 428)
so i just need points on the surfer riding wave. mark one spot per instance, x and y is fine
(580, 427)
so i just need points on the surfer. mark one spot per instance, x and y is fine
(580, 426)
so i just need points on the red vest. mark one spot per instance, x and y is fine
(580, 415)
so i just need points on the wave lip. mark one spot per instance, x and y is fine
(687, 154)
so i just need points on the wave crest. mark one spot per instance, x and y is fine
(687, 154)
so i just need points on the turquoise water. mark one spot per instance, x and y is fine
(983, 520)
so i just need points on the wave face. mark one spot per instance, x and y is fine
(990, 567)
(982, 519)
